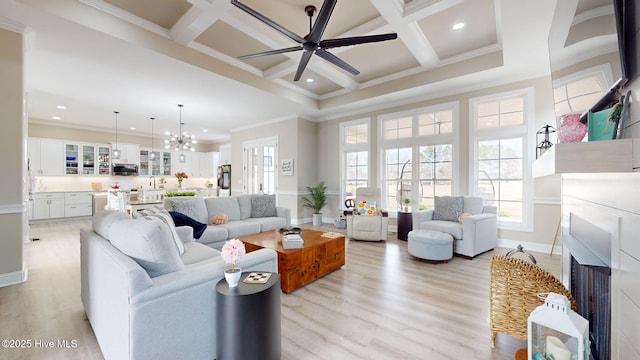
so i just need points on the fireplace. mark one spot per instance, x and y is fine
(589, 282)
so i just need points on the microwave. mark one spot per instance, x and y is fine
(124, 170)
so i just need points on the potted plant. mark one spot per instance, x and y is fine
(407, 202)
(316, 202)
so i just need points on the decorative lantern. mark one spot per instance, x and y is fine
(557, 332)
(545, 144)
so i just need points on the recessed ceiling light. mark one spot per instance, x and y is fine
(56, 118)
(205, 130)
(61, 107)
(309, 80)
(132, 128)
(458, 26)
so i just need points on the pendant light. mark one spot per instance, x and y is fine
(182, 141)
(116, 153)
(152, 154)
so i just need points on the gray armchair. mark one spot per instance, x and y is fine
(371, 227)
(475, 234)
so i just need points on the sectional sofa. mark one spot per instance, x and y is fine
(145, 296)
(246, 214)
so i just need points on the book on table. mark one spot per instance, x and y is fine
(292, 241)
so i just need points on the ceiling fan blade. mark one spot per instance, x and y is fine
(333, 43)
(303, 64)
(270, 52)
(336, 61)
(293, 36)
(321, 21)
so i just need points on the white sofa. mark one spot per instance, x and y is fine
(247, 214)
(167, 315)
(477, 233)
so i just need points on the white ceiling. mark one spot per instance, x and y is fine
(143, 58)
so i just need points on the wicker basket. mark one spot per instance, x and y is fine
(514, 287)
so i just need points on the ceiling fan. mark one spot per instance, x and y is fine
(312, 43)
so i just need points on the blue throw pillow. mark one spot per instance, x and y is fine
(181, 219)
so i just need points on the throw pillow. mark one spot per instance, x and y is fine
(263, 206)
(191, 207)
(149, 243)
(181, 219)
(164, 217)
(219, 218)
(226, 205)
(367, 208)
(448, 208)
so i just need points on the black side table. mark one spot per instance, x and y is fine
(248, 320)
(405, 224)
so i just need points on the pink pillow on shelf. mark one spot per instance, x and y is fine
(366, 208)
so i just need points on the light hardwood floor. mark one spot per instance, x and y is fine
(382, 305)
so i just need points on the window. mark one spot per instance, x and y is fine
(355, 156)
(397, 177)
(500, 136)
(418, 158)
(576, 93)
(436, 173)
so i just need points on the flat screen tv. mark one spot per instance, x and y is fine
(626, 26)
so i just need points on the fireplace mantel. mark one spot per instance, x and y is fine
(604, 156)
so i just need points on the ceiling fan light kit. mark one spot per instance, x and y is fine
(312, 43)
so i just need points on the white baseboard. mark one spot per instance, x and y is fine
(13, 278)
(529, 246)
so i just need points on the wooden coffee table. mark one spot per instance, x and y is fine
(298, 267)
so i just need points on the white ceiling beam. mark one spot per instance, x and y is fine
(197, 20)
(408, 32)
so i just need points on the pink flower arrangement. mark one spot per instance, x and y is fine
(232, 251)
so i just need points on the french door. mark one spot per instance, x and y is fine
(260, 166)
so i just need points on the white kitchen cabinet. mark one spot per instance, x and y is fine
(46, 157)
(78, 204)
(177, 166)
(161, 166)
(129, 153)
(104, 160)
(48, 205)
(225, 154)
(201, 164)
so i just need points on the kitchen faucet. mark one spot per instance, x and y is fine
(152, 178)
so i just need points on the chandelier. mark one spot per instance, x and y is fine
(182, 141)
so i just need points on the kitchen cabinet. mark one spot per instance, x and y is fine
(48, 205)
(160, 166)
(46, 157)
(61, 204)
(78, 204)
(86, 159)
(129, 153)
(177, 166)
(104, 157)
(202, 164)
(225, 155)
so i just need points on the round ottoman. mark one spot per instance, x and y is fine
(431, 245)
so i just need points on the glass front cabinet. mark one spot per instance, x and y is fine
(87, 159)
(71, 159)
(161, 165)
(104, 162)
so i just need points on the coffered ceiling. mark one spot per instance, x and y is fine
(144, 57)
